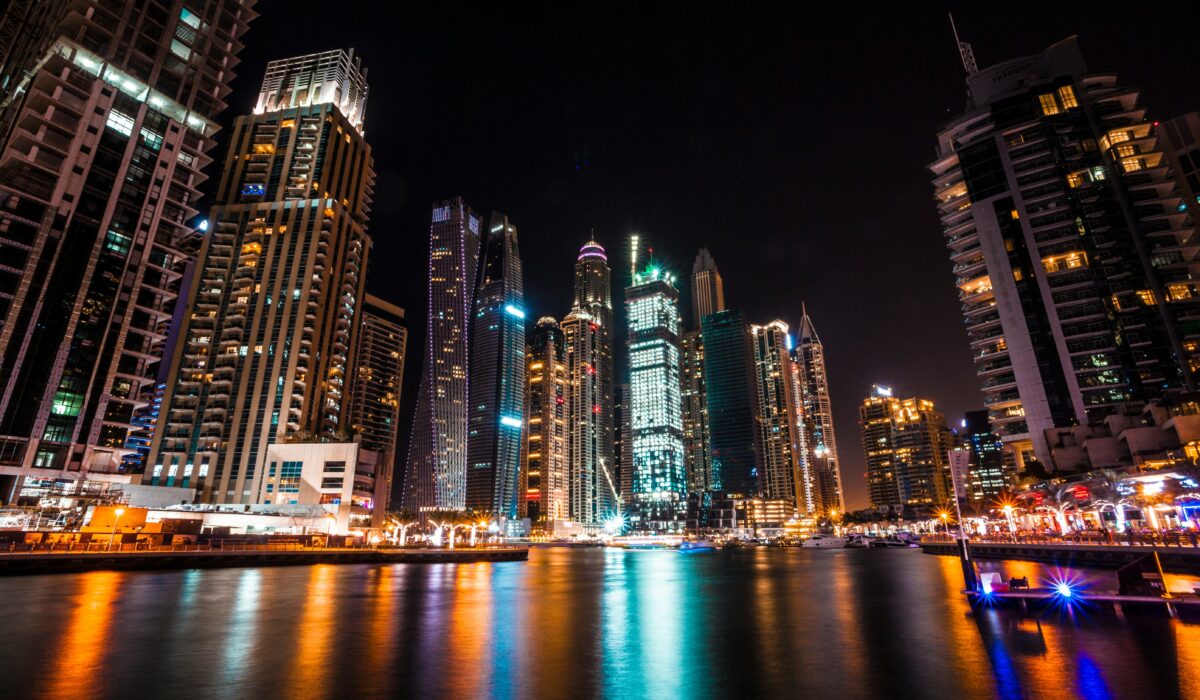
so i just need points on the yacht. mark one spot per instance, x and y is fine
(860, 542)
(824, 541)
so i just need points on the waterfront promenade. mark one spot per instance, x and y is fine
(1178, 554)
(46, 560)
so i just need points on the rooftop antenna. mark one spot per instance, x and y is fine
(633, 254)
(965, 52)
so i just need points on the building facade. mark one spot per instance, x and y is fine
(587, 332)
(655, 404)
(708, 289)
(695, 414)
(989, 473)
(1071, 250)
(732, 403)
(435, 475)
(376, 386)
(265, 353)
(546, 483)
(497, 391)
(821, 448)
(339, 477)
(907, 445)
(106, 122)
(779, 432)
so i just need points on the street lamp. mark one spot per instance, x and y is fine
(1008, 514)
(118, 512)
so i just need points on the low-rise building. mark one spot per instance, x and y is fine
(338, 476)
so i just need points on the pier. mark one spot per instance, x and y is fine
(128, 558)
(1180, 559)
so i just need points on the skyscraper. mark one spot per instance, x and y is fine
(435, 476)
(732, 403)
(624, 444)
(695, 414)
(809, 354)
(708, 291)
(988, 473)
(907, 445)
(655, 405)
(497, 389)
(106, 122)
(545, 472)
(779, 424)
(375, 388)
(1073, 255)
(587, 333)
(276, 302)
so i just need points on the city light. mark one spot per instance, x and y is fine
(514, 311)
(510, 421)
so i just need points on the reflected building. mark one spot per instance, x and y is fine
(655, 404)
(106, 124)
(435, 476)
(265, 355)
(497, 375)
(1071, 244)
(545, 466)
(907, 445)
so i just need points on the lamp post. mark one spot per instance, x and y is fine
(118, 512)
(1008, 515)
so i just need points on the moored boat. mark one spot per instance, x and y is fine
(824, 541)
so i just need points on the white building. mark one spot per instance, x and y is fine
(338, 476)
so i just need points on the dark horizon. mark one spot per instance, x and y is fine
(799, 129)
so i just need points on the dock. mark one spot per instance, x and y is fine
(1175, 560)
(65, 562)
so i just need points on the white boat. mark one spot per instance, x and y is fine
(822, 541)
(860, 542)
(647, 542)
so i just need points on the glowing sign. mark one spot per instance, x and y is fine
(514, 311)
(253, 189)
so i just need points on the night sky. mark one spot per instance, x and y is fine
(790, 141)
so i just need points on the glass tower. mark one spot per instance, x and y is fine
(655, 404)
(265, 354)
(497, 392)
(107, 116)
(435, 476)
(732, 403)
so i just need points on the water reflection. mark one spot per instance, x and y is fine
(580, 623)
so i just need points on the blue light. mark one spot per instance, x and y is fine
(790, 343)
(510, 421)
(514, 311)
(1063, 589)
(203, 226)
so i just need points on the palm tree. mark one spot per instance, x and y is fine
(439, 519)
(402, 521)
(1060, 500)
(1007, 502)
(1107, 495)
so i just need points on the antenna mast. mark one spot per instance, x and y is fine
(965, 52)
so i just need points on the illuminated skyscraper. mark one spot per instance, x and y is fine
(435, 476)
(497, 375)
(107, 113)
(265, 355)
(375, 388)
(655, 404)
(624, 444)
(907, 445)
(781, 425)
(1073, 249)
(545, 466)
(695, 414)
(989, 474)
(732, 403)
(821, 448)
(708, 291)
(587, 333)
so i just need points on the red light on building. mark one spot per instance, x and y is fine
(596, 408)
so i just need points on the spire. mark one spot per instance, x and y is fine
(965, 52)
(807, 332)
(704, 261)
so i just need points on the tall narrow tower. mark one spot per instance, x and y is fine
(781, 448)
(545, 475)
(587, 333)
(655, 404)
(821, 449)
(435, 476)
(265, 354)
(497, 375)
(104, 134)
(708, 290)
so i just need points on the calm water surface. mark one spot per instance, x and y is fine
(577, 624)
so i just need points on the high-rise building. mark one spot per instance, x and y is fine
(435, 476)
(708, 291)
(1071, 246)
(809, 355)
(779, 424)
(375, 388)
(587, 332)
(497, 388)
(265, 355)
(732, 403)
(1181, 144)
(907, 445)
(105, 127)
(624, 445)
(545, 467)
(695, 414)
(655, 404)
(989, 474)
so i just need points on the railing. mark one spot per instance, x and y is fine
(103, 547)
(1129, 538)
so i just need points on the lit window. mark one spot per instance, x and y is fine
(1048, 104)
(1146, 296)
(120, 123)
(1066, 95)
(1074, 180)
(1017, 275)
